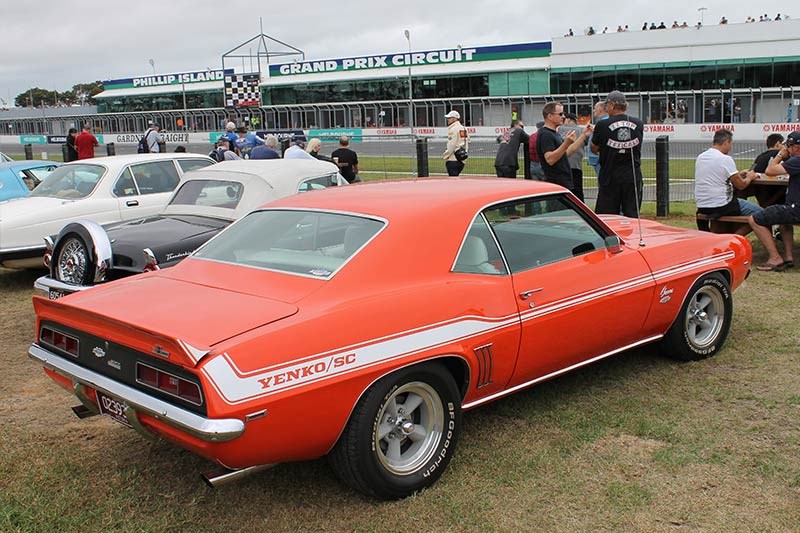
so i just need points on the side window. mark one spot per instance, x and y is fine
(155, 177)
(125, 185)
(193, 164)
(321, 182)
(540, 231)
(479, 253)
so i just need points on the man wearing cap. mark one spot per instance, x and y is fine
(786, 162)
(554, 150)
(152, 137)
(230, 134)
(457, 138)
(246, 141)
(618, 140)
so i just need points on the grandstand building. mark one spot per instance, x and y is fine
(726, 74)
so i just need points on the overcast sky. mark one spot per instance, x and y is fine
(55, 44)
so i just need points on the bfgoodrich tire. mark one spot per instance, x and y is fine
(402, 433)
(702, 325)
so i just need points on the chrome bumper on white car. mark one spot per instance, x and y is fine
(54, 289)
(136, 401)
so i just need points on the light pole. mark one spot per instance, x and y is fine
(153, 64)
(702, 11)
(410, 86)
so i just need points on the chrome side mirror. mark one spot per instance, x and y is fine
(613, 244)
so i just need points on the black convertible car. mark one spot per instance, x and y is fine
(85, 253)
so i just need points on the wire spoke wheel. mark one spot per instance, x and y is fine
(73, 261)
(409, 428)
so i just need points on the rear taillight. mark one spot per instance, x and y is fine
(168, 383)
(61, 341)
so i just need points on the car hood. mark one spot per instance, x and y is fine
(628, 228)
(183, 312)
(171, 238)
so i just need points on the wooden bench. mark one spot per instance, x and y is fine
(725, 224)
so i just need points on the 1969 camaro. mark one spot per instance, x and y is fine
(366, 318)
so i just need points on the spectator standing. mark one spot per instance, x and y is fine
(786, 162)
(230, 134)
(223, 151)
(536, 166)
(85, 143)
(554, 150)
(619, 29)
(723, 20)
(618, 140)
(72, 152)
(152, 138)
(297, 151)
(313, 147)
(644, 26)
(599, 113)
(246, 141)
(506, 162)
(715, 178)
(457, 139)
(347, 160)
(268, 150)
(576, 158)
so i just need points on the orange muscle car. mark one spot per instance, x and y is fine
(359, 322)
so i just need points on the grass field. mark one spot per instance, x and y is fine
(633, 443)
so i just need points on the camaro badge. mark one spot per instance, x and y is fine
(99, 352)
(665, 295)
(158, 350)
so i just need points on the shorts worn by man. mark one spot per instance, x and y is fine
(618, 140)
(715, 177)
(506, 162)
(346, 159)
(553, 150)
(457, 138)
(786, 162)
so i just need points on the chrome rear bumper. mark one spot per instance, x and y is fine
(206, 429)
(47, 284)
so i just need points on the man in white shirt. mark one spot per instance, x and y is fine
(715, 176)
(153, 137)
(296, 151)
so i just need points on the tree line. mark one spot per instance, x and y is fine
(81, 94)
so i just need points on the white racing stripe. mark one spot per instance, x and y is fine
(235, 386)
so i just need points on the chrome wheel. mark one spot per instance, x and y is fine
(408, 428)
(73, 262)
(705, 316)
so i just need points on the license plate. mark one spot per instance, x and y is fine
(54, 295)
(113, 408)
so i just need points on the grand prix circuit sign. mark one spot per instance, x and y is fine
(431, 57)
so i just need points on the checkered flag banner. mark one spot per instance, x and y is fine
(242, 90)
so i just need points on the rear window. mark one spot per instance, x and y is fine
(308, 243)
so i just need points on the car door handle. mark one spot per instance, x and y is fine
(132, 203)
(527, 294)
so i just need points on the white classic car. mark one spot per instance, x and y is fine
(104, 190)
(206, 202)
